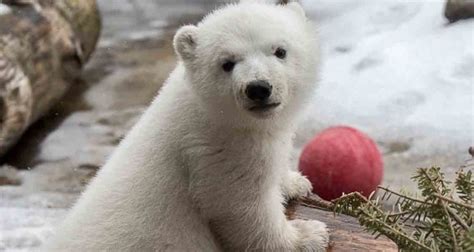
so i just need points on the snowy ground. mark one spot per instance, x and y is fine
(393, 69)
(396, 65)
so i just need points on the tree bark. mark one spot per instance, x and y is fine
(345, 232)
(43, 46)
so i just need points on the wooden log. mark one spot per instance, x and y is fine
(43, 46)
(345, 232)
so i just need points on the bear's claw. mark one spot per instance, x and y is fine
(295, 185)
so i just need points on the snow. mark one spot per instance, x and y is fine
(28, 213)
(4, 9)
(394, 66)
(394, 69)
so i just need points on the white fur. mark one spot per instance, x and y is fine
(199, 171)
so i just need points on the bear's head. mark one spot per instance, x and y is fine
(251, 63)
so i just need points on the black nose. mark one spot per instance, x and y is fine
(258, 90)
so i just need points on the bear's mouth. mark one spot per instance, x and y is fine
(264, 107)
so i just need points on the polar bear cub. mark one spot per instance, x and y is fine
(206, 168)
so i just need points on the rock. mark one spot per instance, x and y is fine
(459, 9)
(9, 176)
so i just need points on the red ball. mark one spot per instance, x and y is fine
(342, 160)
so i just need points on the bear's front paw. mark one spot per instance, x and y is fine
(313, 235)
(295, 185)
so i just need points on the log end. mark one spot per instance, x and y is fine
(345, 232)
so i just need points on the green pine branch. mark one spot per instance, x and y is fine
(440, 220)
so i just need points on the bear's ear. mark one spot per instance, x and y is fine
(296, 7)
(184, 42)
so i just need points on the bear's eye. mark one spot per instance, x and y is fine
(228, 66)
(280, 53)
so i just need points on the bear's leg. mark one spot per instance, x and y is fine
(295, 185)
(294, 235)
(269, 230)
(312, 235)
